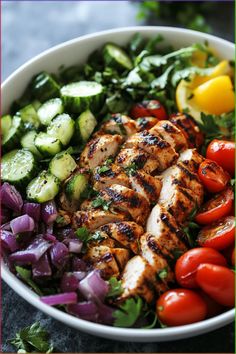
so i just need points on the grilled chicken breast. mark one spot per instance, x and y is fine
(99, 149)
(155, 146)
(145, 184)
(127, 200)
(127, 233)
(105, 176)
(120, 124)
(191, 159)
(146, 123)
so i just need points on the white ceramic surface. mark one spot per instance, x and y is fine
(74, 52)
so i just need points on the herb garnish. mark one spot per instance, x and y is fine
(26, 275)
(128, 312)
(85, 236)
(115, 287)
(100, 202)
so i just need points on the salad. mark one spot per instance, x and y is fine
(117, 199)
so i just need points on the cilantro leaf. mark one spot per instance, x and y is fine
(85, 236)
(25, 275)
(128, 312)
(32, 338)
(163, 273)
(100, 202)
(115, 287)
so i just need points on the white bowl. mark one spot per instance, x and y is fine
(76, 51)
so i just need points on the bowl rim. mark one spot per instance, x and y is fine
(170, 333)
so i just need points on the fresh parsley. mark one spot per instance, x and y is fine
(31, 339)
(85, 236)
(115, 288)
(26, 275)
(131, 169)
(128, 313)
(100, 202)
(162, 274)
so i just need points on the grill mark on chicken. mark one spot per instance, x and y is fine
(187, 194)
(153, 246)
(106, 257)
(192, 176)
(108, 173)
(92, 147)
(150, 139)
(133, 201)
(168, 128)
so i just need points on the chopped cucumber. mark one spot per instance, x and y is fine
(85, 125)
(29, 116)
(18, 167)
(36, 104)
(62, 127)
(27, 142)
(83, 95)
(48, 145)
(115, 56)
(6, 122)
(43, 188)
(12, 137)
(44, 87)
(50, 110)
(76, 187)
(62, 165)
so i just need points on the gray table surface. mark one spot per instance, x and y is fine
(28, 28)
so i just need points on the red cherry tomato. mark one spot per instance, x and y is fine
(217, 282)
(213, 308)
(217, 207)
(213, 177)
(219, 235)
(222, 152)
(186, 266)
(180, 307)
(151, 108)
(233, 257)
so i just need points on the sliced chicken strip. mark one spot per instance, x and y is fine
(152, 253)
(146, 123)
(169, 238)
(155, 146)
(191, 159)
(189, 128)
(127, 200)
(170, 133)
(127, 233)
(99, 149)
(105, 176)
(122, 256)
(119, 124)
(146, 185)
(93, 219)
(138, 158)
(138, 279)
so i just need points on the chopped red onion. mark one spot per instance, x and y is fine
(79, 264)
(42, 268)
(70, 281)
(9, 241)
(22, 224)
(49, 229)
(5, 215)
(59, 254)
(32, 253)
(105, 314)
(84, 310)
(75, 246)
(10, 197)
(49, 212)
(66, 233)
(33, 210)
(60, 299)
(93, 287)
(6, 226)
(50, 237)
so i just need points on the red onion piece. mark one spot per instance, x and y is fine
(79, 265)
(49, 229)
(93, 287)
(84, 310)
(33, 210)
(49, 212)
(32, 253)
(10, 197)
(70, 281)
(59, 254)
(23, 223)
(42, 268)
(105, 314)
(75, 246)
(50, 237)
(9, 241)
(60, 299)
(5, 215)
(6, 226)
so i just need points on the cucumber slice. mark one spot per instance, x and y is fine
(48, 145)
(6, 122)
(44, 87)
(115, 56)
(76, 187)
(18, 167)
(36, 104)
(62, 165)
(12, 137)
(27, 142)
(29, 115)
(62, 127)
(50, 110)
(43, 188)
(85, 125)
(83, 95)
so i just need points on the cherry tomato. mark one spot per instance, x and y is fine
(233, 257)
(217, 207)
(217, 282)
(151, 108)
(180, 307)
(186, 266)
(219, 235)
(213, 308)
(222, 152)
(213, 177)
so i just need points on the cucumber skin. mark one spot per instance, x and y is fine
(6, 122)
(28, 143)
(55, 127)
(30, 174)
(44, 150)
(59, 110)
(44, 176)
(29, 116)
(112, 62)
(44, 87)
(13, 141)
(78, 122)
(71, 185)
(80, 104)
(67, 170)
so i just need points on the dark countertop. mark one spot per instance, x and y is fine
(28, 28)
